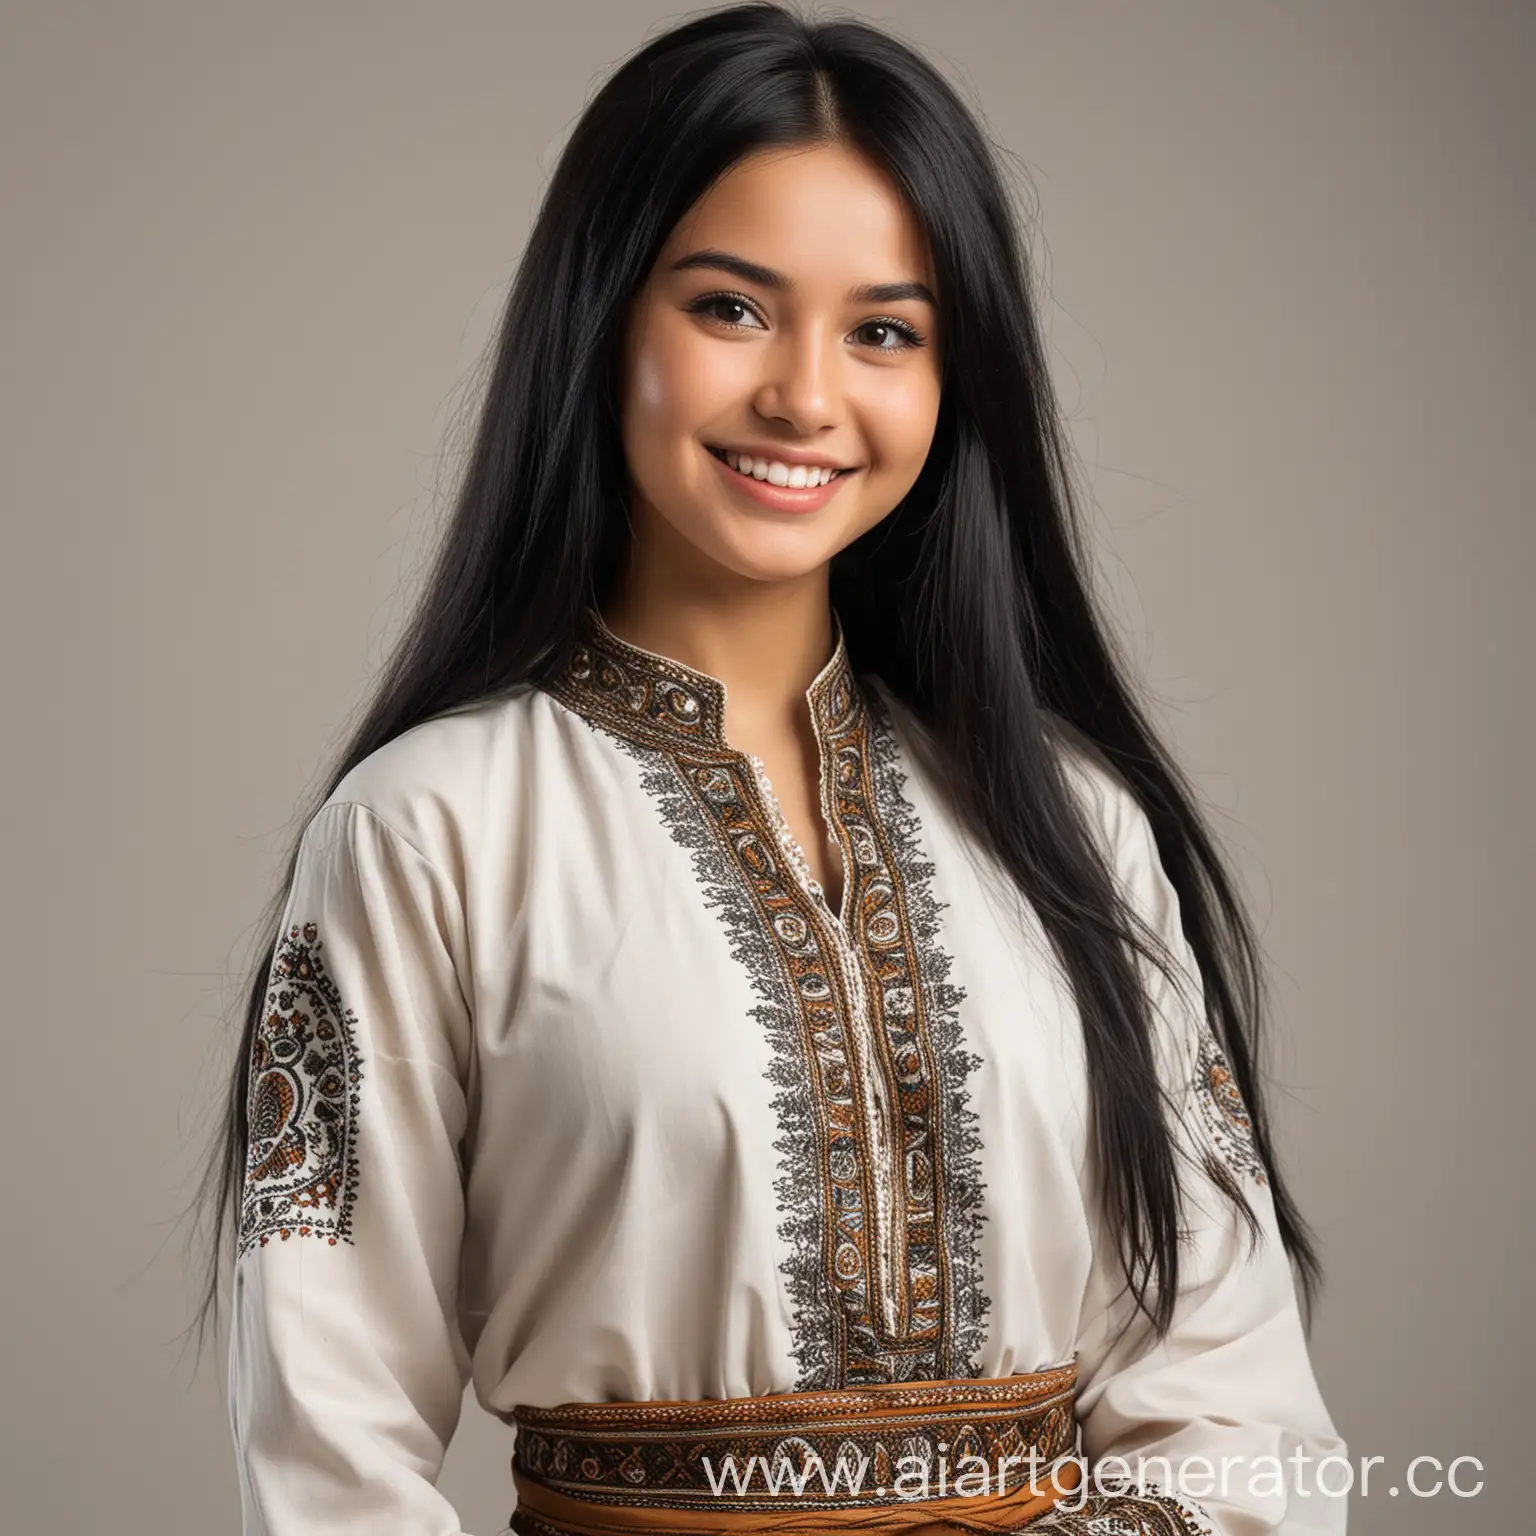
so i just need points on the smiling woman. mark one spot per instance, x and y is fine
(754, 993)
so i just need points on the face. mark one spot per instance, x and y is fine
(751, 336)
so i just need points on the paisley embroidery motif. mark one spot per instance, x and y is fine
(897, 927)
(1222, 1109)
(301, 1163)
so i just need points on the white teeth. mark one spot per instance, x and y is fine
(795, 476)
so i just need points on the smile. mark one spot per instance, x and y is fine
(775, 472)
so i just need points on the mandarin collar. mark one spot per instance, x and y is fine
(665, 702)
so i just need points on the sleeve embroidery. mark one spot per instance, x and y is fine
(1125, 1514)
(1223, 1111)
(301, 1160)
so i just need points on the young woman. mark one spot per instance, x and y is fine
(755, 986)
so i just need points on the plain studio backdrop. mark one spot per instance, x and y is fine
(249, 256)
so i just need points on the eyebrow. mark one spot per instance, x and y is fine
(766, 277)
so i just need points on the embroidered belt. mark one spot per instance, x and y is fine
(915, 1457)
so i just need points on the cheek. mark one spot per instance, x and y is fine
(901, 428)
(676, 384)
(645, 391)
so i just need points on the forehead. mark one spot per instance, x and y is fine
(820, 213)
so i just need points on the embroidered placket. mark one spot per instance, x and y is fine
(881, 1137)
(879, 1187)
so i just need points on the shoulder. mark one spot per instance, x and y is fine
(1111, 809)
(439, 785)
(1118, 821)
(1129, 843)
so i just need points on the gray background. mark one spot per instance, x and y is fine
(250, 255)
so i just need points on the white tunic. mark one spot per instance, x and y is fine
(571, 1083)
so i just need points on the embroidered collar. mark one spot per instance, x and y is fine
(663, 702)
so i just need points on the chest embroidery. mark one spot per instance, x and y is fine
(301, 1162)
(879, 1183)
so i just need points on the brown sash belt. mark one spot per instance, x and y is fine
(921, 1458)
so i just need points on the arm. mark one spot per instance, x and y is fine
(347, 1366)
(1232, 1379)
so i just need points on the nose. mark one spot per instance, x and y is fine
(801, 384)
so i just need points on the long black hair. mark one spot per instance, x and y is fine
(972, 593)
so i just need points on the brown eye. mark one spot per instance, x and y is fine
(730, 309)
(896, 335)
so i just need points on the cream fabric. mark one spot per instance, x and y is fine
(571, 1084)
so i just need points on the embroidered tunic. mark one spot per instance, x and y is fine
(570, 1082)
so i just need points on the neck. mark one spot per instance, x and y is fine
(764, 641)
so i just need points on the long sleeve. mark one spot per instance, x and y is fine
(347, 1364)
(1232, 1379)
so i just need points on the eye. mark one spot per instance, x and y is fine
(905, 335)
(707, 305)
(897, 334)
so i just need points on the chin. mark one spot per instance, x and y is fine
(770, 553)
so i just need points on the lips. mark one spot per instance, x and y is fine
(778, 498)
(726, 455)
